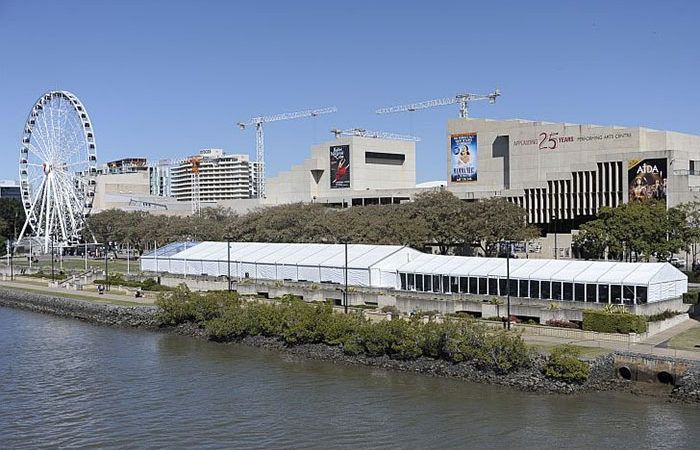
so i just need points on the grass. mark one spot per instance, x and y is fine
(586, 352)
(73, 296)
(687, 340)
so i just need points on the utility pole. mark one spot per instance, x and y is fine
(508, 282)
(228, 262)
(346, 277)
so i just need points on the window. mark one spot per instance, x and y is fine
(579, 292)
(514, 288)
(411, 281)
(502, 286)
(392, 159)
(616, 293)
(534, 289)
(403, 281)
(445, 283)
(556, 290)
(591, 293)
(493, 286)
(641, 294)
(428, 283)
(473, 285)
(454, 285)
(603, 293)
(463, 285)
(482, 286)
(545, 288)
(436, 283)
(523, 288)
(419, 282)
(568, 291)
(628, 294)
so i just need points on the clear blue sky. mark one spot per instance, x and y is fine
(164, 79)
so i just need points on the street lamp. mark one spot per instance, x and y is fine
(228, 261)
(345, 294)
(508, 281)
(554, 222)
(106, 265)
(11, 251)
(52, 257)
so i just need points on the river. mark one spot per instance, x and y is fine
(67, 383)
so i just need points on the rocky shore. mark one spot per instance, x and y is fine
(602, 377)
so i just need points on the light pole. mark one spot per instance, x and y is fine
(106, 266)
(228, 261)
(11, 249)
(554, 223)
(508, 281)
(345, 294)
(52, 266)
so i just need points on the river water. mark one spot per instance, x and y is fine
(71, 384)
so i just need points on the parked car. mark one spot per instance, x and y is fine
(679, 263)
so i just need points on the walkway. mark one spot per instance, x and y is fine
(80, 295)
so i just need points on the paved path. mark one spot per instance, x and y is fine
(88, 295)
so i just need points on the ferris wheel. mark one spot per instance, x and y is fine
(57, 169)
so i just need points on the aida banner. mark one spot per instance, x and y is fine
(647, 179)
(463, 152)
(340, 166)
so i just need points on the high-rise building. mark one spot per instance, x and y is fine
(159, 178)
(221, 176)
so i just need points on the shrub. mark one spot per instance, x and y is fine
(561, 323)
(607, 322)
(661, 316)
(692, 297)
(563, 364)
(391, 309)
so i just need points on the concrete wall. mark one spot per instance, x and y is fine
(136, 183)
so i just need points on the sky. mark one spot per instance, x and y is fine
(163, 79)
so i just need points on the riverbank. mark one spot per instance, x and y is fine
(531, 379)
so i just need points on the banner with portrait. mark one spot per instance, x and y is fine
(647, 179)
(463, 156)
(340, 166)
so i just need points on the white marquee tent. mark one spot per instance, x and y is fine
(586, 281)
(368, 265)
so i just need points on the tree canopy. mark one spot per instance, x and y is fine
(435, 218)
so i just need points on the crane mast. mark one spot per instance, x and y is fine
(260, 139)
(462, 99)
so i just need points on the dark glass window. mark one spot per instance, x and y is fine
(482, 286)
(591, 293)
(556, 290)
(603, 293)
(545, 288)
(534, 289)
(514, 288)
(493, 286)
(411, 281)
(445, 283)
(502, 286)
(463, 285)
(403, 281)
(454, 285)
(394, 159)
(473, 285)
(628, 294)
(428, 281)
(579, 292)
(419, 282)
(523, 288)
(436, 283)
(568, 291)
(641, 294)
(616, 293)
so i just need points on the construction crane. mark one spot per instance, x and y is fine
(195, 161)
(260, 142)
(462, 99)
(373, 134)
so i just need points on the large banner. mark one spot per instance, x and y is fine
(463, 147)
(647, 179)
(340, 166)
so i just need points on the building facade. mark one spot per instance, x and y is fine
(562, 174)
(9, 189)
(221, 176)
(159, 178)
(351, 170)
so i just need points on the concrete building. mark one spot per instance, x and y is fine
(349, 171)
(159, 177)
(116, 190)
(221, 177)
(9, 189)
(126, 165)
(562, 174)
